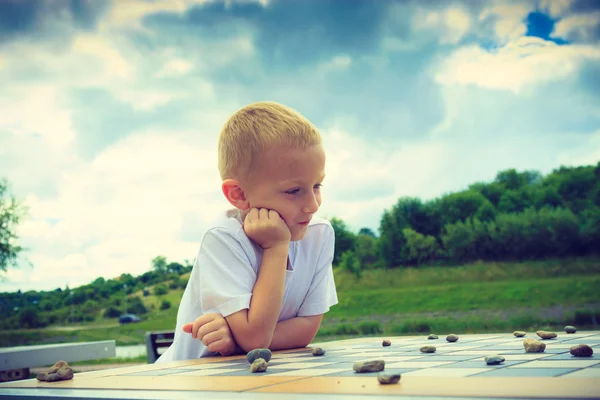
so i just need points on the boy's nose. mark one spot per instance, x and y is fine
(312, 206)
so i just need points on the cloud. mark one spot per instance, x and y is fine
(452, 23)
(363, 179)
(48, 20)
(526, 61)
(507, 19)
(118, 212)
(580, 28)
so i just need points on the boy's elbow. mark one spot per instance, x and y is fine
(254, 342)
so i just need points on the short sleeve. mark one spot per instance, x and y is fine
(226, 276)
(322, 292)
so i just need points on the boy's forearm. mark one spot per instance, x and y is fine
(294, 333)
(267, 296)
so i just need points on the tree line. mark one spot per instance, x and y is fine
(108, 298)
(520, 215)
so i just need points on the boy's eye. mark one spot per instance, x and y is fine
(292, 191)
(318, 186)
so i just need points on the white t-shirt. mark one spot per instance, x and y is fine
(226, 270)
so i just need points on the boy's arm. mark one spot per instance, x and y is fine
(254, 328)
(295, 332)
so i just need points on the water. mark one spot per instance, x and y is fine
(131, 351)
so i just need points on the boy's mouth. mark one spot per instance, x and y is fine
(304, 223)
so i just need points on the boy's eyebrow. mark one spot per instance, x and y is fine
(298, 181)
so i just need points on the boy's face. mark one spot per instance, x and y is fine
(289, 182)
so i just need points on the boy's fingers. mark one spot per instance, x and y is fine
(219, 346)
(187, 328)
(252, 215)
(199, 322)
(207, 328)
(273, 215)
(211, 337)
(264, 214)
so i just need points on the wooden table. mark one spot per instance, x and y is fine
(455, 370)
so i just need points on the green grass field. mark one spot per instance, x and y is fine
(482, 297)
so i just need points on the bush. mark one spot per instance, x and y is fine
(346, 329)
(29, 317)
(370, 327)
(160, 289)
(165, 305)
(136, 306)
(350, 263)
(111, 312)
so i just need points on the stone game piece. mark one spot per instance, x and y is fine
(519, 333)
(432, 337)
(259, 365)
(452, 338)
(570, 329)
(369, 366)
(61, 371)
(317, 351)
(386, 343)
(533, 346)
(546, 335)
(427, 349)
(387, 379)
(581, 350)
(252, 355)
(494, 359)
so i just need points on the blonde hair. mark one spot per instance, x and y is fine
(257, 127)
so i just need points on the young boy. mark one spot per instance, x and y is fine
(263, 275)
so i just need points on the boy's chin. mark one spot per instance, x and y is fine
(298, 235)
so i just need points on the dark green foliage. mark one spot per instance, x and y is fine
(136, 306)
(165, 305)
(370, 327)
(344, 238)
(421, 249)
(520, 215)
(350, 263)
(29, 317)
(112, 312)
(161, 289)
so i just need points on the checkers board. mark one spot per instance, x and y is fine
(455, 370)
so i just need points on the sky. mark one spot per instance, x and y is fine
(110, 111)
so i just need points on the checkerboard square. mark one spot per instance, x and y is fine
(448, 372)
(526, 372)
(544, 364)
(583, 373)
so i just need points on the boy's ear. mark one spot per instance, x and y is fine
(235, 194)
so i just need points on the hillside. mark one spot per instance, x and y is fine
(481, 297)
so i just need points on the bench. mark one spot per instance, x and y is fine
(15, 362)
(155, 341)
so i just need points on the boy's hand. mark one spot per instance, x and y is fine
(266, 228)
(213, 331)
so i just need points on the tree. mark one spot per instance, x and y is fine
(421, 249)
(350, 263)
(367, 231)
(159, 263)
(11, 212)
(366, 250)
(344, 239)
